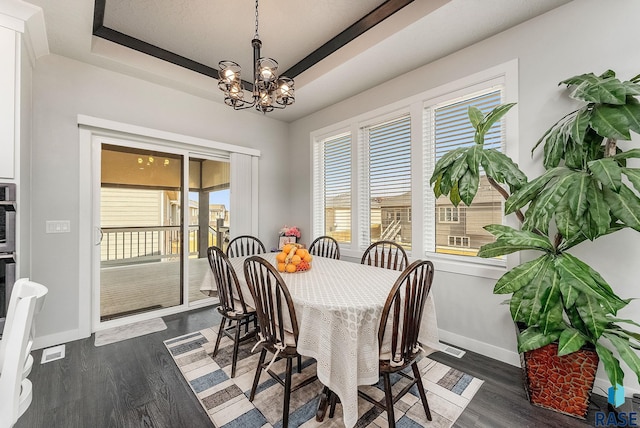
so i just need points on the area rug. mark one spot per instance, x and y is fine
(129, 331)
(226, 400)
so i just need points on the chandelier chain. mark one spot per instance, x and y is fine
(256, 36)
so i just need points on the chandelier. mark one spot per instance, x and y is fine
(269, 90)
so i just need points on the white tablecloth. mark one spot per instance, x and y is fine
(338, 306)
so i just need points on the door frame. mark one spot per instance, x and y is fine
(93, 129)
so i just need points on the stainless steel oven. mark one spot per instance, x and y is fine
(7, 217)
(7, 246)
(7, 278)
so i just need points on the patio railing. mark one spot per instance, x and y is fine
(130, 245)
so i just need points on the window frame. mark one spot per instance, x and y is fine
(504, 75)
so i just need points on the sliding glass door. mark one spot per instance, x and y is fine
(209, 215)
(158, 211)
(141, 231)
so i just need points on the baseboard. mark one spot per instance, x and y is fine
(57, 338)
(491, 351)
(601, 384)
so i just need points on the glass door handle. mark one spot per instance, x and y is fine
(98, 237)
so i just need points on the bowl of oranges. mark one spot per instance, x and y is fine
(293, 258)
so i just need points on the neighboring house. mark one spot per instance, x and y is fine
(459, 230)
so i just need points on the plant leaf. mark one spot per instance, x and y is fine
(607, 90)
(526, 303)
(436, 187)
(501, 248)
(610, 122)
(586, 280)
(512, 236)
(539, 215)
(577, 197)
(633, 153)
(570, 341)
(633, 174)
(632, 113)
(626, 353)
(468, 186)
(576, 80)
(611, 365)
(473, 159)
(625, 205)
(592, 314)
(573, 316)
(607, 171)
(445, 161)
(493, 116)
(445, 181)
(598, 210)
(554, 147)
(574, 154)
(519, 276)
(614, 319)
(579, 125)
(458, 168)
(475, 116)
(550, 317)
(454, 195)
(531, 189)
(532, 338)
(501, 168)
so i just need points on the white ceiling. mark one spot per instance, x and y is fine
(208, 31)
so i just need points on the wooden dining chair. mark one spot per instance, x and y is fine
(398, 335)
(385, 254)
(325, 246)
(233, 307)
(278, 326)
(245, 245)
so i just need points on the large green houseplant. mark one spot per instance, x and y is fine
(587, 191)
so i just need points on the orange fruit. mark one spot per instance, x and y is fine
(301, 252)
(296, 260)
(287, 248)
(290, 268)
(308, 258)
(281, 256)
(281, 267)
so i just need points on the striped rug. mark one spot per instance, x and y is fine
(226, 400)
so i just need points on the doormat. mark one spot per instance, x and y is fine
(129, 331)
(449, 391)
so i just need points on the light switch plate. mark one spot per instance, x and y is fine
(58, 226)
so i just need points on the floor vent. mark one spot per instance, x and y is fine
(458, 353)
(52, 354)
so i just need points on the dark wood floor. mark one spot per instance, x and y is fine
(135, 383)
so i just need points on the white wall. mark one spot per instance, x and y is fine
(580, 37)
(62, 89)
(24, 167)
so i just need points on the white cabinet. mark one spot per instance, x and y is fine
(8, 83)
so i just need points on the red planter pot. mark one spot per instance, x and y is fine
(563, 384)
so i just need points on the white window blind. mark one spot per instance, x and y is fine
(386, 153)
(449, 128)
(332, 188)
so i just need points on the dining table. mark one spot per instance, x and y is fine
(338, 306)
